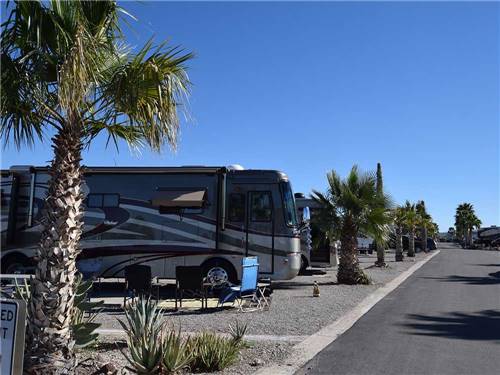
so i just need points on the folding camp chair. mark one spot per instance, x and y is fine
(247, 291)
(137, 281)
(190, 279)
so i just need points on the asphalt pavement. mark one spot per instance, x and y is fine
(444, 319)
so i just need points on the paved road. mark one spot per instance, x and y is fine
(444, 319)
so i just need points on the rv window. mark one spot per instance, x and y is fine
(111, 200)
(94, 201)
(261, 208)
(237, 207)
(103, 200)
(289, 204)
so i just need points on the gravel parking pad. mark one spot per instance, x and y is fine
(293, 312)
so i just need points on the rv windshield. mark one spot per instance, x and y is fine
(288, 204)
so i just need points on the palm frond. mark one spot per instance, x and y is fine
(150, 89)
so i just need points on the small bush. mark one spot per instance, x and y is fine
(156, 349)
(212, 352)
(238, 331)
(176, 353)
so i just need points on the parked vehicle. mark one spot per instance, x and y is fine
(305, 205)
(431, 244)
(162, 217)
(489, 236)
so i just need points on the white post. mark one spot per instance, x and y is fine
(334, 255)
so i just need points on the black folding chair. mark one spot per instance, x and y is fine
(189, 279)
(137, 281)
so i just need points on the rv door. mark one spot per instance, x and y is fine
(260, 228)
(250, 220)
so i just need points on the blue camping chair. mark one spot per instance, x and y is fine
(247, 291)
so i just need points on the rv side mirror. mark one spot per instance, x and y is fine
(306, 215)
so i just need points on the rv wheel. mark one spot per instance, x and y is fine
(15, 263)
(303, 264)
(219, 272)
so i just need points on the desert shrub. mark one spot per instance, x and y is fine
(145, 355)
(158, 349)
(177, 354)
(237, 332)
(144, 328)
(212, 352)
(143, 317)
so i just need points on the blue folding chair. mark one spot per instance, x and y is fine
(247, 291)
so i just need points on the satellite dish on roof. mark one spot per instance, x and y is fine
(235, 167)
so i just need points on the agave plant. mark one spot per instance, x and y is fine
(143, 319)
(83, 326)
(212, 352)
(144, 326)
(176, 353)
(145, 354)
(237, 332)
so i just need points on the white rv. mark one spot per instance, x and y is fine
(162, 217)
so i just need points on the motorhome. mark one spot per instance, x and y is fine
(162, 217)
(488, 236)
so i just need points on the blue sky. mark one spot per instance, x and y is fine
(309, 87)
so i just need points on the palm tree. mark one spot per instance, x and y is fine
(380, 245)
(425, 223)
(411, 221)
(399, 216)
(354, 206)
(433, 230)
(465, 222)
(66, 73)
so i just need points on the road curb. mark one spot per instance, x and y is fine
(312, 345)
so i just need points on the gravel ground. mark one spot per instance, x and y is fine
(251, 358)
(293, 312)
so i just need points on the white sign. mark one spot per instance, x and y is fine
(12, 330)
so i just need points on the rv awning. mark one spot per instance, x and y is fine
(179, 198)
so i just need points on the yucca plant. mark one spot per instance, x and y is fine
(144, 326)
(237, 332)
(143, 319)
(212, 352)
(176, 353)
(145, 354)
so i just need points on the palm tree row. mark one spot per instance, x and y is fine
(352, 206)
(358, 205)
(68, 75)
(408, 219)
(465, 222)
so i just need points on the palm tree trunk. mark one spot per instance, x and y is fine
(424, 239)
(399, 245)
(380, 256)
(349, 271)
(50, 310)
(411, 246)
